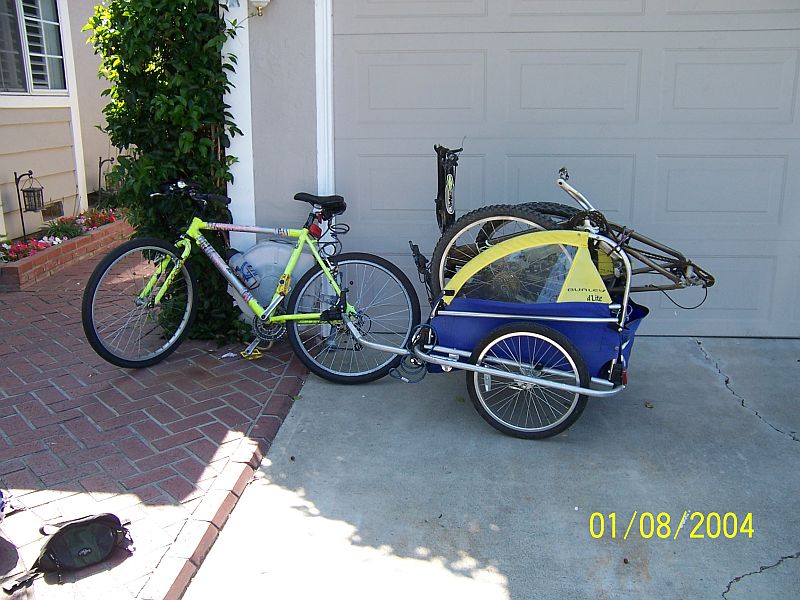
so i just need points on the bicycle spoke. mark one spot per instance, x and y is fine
(525, 406)
(125, 328)
(383, 313)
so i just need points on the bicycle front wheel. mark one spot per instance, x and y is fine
(121, 319)
(387, 311)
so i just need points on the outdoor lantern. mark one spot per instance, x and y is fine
(33, 197)
(259, 5)
(33, 194)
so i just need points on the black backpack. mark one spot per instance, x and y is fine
(76, 544)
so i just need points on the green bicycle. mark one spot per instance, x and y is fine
(142, 298)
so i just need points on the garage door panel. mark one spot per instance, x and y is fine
(732, 7)
(475, 16)
(715, 190)
(689, 189)
(653, 186)
(720, 189)
(408, 9)
(395, 184)
(744, 288)
(680, 118)
(571, 8)
(597, 85)
(730, 86)
(748, 299)
(607, 180)
(512, 86)
(414, 86)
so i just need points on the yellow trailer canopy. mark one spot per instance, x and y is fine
(533, 268)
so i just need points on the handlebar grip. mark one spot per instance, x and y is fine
(438, 148)
(224, 200)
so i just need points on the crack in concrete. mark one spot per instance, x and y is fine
(727, 381)
(761, 569)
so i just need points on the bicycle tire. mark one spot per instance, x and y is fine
(525, 410)
(149, 333)
(554, 211)
(457, 246)
(328, 350)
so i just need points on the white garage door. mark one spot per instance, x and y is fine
(680, 118)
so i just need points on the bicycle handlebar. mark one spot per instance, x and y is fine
(219, 198)
(579, 198)
(192, 190)
(439, 148)
(446, 155)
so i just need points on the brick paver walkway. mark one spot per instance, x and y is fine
(169, 447)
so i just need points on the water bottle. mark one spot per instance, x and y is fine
(244, 271)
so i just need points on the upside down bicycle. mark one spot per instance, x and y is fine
(464, 238)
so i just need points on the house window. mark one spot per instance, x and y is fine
(31, 56)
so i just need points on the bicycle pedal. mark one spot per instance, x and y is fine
(255, 354)
(254, 351)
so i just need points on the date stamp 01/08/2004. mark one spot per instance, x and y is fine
(696, 525)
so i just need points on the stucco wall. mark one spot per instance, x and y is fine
(39, 139)
(284, 110)
(90, 86)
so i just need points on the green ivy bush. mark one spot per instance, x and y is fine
(168, 73)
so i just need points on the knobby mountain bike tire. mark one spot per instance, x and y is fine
(477, 230)
(387, 312)
(129, 329)
(555, 211)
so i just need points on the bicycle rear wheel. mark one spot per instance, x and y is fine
(387, 311)
(126, 328)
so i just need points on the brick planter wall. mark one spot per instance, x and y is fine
(21, 274)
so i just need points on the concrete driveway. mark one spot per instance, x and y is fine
(393, 490)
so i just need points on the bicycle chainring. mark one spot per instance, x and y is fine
(595, 219)
(269, 332)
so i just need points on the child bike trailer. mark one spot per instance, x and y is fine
(533, 324)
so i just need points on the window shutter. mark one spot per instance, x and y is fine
(43, 35)
(12, 64)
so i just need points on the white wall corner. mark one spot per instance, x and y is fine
(323, 27)
(74, 108)
(242, 190)
(2, 219)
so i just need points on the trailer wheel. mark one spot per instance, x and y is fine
(520, 409)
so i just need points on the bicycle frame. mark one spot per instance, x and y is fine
(654, 263)
(265, 314)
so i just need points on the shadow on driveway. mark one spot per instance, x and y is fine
(394, 491)
(167, 447)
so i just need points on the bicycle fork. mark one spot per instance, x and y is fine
(160, 270)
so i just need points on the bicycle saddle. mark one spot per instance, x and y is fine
(331, 205)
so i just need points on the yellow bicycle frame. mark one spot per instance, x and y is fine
(265, 314)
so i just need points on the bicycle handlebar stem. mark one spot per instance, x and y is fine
(579, 198)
